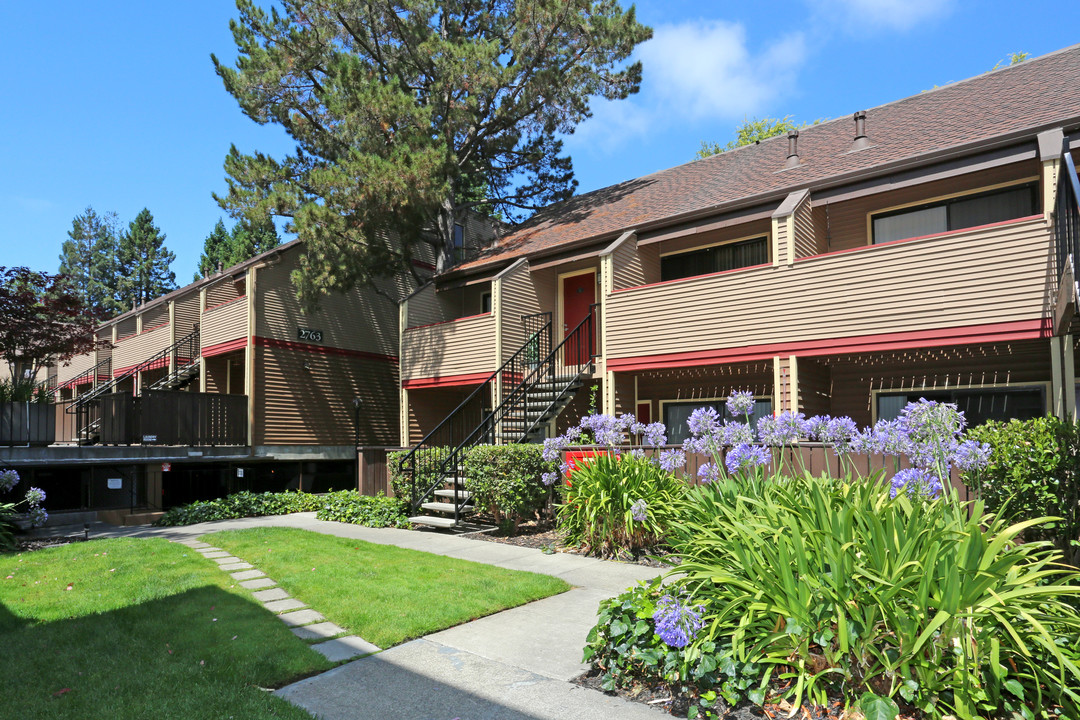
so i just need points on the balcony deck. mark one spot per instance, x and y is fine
(994, 281)
(448, 352)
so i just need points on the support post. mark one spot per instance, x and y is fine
(1070, 378)
(1057, 380)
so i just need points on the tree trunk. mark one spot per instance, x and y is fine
(444, 226)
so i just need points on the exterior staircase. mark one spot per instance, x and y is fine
(533, 387)
(182, 375)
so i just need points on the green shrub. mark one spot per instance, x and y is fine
(426, 467)
(505, 481)
(602, 496)
(379, 511)
(241, 504)
(833, 586)
(626, 650)
(1034, 471)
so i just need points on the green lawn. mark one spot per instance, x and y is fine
(139, 629)
(382, 593)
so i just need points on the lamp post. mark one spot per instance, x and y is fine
(357, 402)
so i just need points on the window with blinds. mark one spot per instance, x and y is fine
(729, 256)
(956, 213)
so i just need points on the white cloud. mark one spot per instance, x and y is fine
(693, 72)
(708, 70)
(860, 15)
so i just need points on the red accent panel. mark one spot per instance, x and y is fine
(573, 457)
(443, 322)
(322, 349)
(225, 347)
(969, 335)
(445, 381)
(214, 307)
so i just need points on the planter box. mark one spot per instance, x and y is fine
(27, 424)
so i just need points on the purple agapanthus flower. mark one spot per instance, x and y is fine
(672, 460)
(677, 623)
(916, 483)
(782, 429)
(734, 433)
(654, 434)
(549, 478)
(699, 445)
(740, 404)
(704, 421)
(839, 432)
(816, 427)
(971, 455)
(38, 516)
(708, 472)
(640, 511)
(747, 457)
(8, 480)
(35, 496)
(553, 448)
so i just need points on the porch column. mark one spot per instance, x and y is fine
(1070, 378)
(608, 405)
(1057, 378)
(202, 360)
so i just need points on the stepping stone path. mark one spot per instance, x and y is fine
(306, 624)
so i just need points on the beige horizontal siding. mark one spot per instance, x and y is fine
(460, 347)
(992, 275)
(186, 314)
(517, 298)
(141, 347)
(359, 319)
(428, 306)
(224, 323)
(76, 367)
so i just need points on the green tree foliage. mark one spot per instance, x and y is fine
(1014, 59)
(43, 320)
(144, 261)
(751, 131)
(223, 249)
(407, 115)
(88, 258)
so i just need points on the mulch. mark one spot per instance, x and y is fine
(542, 535)
(31, 544)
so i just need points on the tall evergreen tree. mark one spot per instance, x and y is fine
(407, 115)
(224, 249)
(88, 258)
(215, 251)
(144, 261)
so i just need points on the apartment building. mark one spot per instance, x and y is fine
(923, 248)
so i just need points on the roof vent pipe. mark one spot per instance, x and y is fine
(792, 149)
(861, 141)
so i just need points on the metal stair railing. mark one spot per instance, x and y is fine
(431, 461)
(1067, 220)
(80, 406)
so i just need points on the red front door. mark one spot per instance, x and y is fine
(579, 293)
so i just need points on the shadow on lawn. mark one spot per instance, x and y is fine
(204, 652)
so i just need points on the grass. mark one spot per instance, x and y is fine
(382, 593)
(139, 629)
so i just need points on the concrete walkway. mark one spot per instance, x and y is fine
(514, 665)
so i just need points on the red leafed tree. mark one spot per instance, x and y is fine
(42, 321)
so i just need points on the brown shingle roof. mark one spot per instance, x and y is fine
(1035, 95)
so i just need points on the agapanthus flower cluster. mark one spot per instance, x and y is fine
(653, 434)
(601, 429)
(672, 460)
(35, 496)
(8, 480)
(708, 472)
(639, 511)
(740, 404)
(917, 483)
(747, 457)
(677, 623)
(782, 429)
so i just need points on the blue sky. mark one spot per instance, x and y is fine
(116, 104)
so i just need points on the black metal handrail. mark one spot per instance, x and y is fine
(1067, 215)
(187, 349)
(440, 451)
(89, 377)
(534, 381)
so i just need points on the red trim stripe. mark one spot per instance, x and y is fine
(969, 335)
(445, 381)
(225, 347)
(322, 349)
(155, 327)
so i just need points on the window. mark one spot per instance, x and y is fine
(677, 413)
(956, 214)
(978, 404)
(459, 242)
(729, 256)
(485, 303)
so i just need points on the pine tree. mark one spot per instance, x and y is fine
(215, 251)
(144, 261)
(408, 115)
(88, 258)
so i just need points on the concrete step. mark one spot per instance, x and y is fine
(430, 521)
(463, 494)
(443, 507)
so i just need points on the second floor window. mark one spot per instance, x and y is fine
(956, 213)
(459, 242)
(729, 256)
